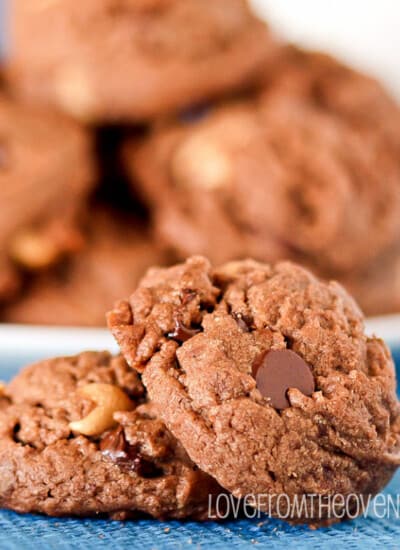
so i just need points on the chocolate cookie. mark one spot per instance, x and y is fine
(266, 377)
(117, 253)
(77, 438)
(303, 169)
(120, 60)
(46, 172)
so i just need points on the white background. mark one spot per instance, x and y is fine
(363, 32)
(366, 33)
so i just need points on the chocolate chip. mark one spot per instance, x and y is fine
(115, 447)
(244, 321)
(276, 371)
(182, 333)
(194, 114)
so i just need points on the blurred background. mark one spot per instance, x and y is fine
(363, 32)
(114, 196)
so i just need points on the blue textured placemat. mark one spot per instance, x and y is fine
(20, 532)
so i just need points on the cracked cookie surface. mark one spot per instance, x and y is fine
(197, 334)
(135, 466)
(176, 53)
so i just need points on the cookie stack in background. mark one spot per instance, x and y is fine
(138, 132)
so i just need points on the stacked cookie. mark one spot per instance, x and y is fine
(306, 167)
(138, 133)
(46, 175)
(247, 381)
(169, 128)
(112, 63)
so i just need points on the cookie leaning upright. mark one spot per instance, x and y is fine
(266, 377)
(130, 60)
(46, 173)
(77, 437)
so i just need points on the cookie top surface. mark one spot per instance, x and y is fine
(265, 376)
(176, 52)
(132, 464)
(303, 170)
(46, 173)
(117, 253)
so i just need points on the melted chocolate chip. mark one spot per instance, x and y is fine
(182, 333)
(115, 447)
(187, 295)
(277, 371)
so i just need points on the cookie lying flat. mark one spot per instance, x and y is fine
(119, 60)
(117, 254)
(75, 440)
(266, 377)
(46, 172)
(293, 171)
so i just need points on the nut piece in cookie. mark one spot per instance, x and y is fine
(77, 437)
(276, 389)
(177, 53)
(109, 399)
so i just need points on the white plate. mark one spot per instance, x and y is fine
(22, 344)
(386, 327)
